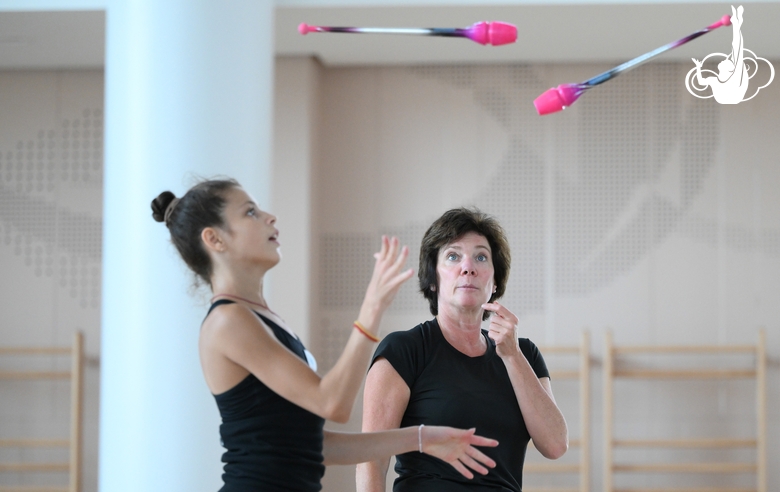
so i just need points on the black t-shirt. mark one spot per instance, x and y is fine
(453, 389)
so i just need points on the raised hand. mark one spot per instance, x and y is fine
(502, 329)
(456, 447)
(387, 278)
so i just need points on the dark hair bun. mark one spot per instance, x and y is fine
(160, 205)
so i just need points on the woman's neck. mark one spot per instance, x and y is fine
(246, 285)
(463, 331)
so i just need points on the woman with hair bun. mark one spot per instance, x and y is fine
(272, 402)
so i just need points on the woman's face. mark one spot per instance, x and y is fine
(251, 235)
(464, 269)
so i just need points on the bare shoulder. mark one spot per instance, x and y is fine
(230, 337)
(232, 324)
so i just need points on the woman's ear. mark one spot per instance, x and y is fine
(212, 240)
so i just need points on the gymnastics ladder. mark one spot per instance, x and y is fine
(76, 378)
(612, 372)
(582, 375)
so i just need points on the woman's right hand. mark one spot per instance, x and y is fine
(385, 282)
(456, 447)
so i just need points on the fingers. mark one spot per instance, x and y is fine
(383, 248)
(493, 307)
(483, 441)
(456, 447)
(478, 455)
(388, 277)
(389, 250)
(401, 258)
(502, 329)
(462, 469)
(500, 313)
(385, 259)
(393, 249)
(469, 462)
(393, 276)
(498, 309)
(386, 248)
(473, 459)
(395, 283)
(385, 281)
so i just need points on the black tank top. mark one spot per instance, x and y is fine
(272, 444)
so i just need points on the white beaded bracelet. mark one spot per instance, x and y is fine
(419, 437)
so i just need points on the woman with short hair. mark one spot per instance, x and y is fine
(449, 371)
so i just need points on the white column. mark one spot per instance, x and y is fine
(188, 94)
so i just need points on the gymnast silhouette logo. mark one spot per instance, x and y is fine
(730, 84)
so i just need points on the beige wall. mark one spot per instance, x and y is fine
(640, 208)
(51, 180)
(296, 106)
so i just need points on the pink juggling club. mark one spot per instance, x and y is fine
(493, 33)
(565, 95)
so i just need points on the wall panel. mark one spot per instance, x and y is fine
(641, 209)
(51, 165)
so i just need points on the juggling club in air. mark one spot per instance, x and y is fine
(494, 33)
(563, 96)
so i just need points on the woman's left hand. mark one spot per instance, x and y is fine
(502, 329)
(456, 447)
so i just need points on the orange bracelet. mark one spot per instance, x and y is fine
(362, 329)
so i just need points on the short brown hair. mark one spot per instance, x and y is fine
(450, 227)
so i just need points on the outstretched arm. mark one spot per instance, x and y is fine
(455, 446)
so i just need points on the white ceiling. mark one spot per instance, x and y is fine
(552, 33)
(38, 40)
